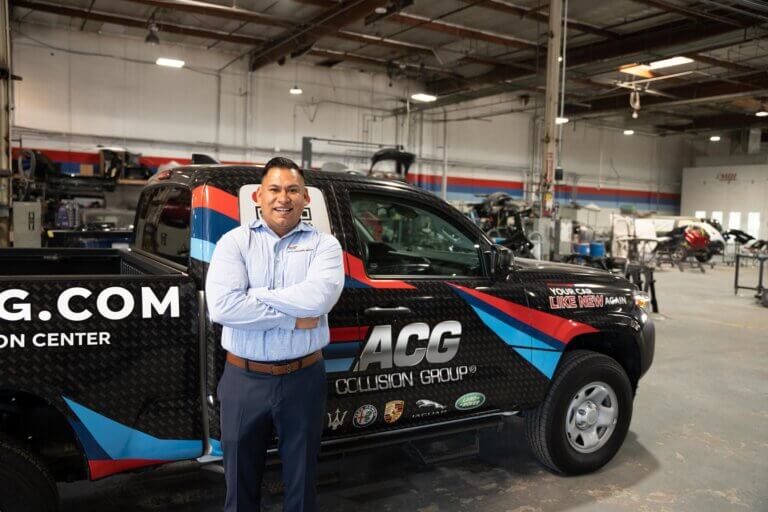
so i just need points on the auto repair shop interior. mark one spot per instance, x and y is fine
(628, 137)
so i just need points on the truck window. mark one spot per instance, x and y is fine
(399, 237)
(163, 223)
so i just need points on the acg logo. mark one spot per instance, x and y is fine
(442, 345)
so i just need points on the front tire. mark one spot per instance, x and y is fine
(584, 419)
(26, 483)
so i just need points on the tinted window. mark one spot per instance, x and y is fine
(399, 237)
(163, 224)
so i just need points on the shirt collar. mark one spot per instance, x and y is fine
(260, 224)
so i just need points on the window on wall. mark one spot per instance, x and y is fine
(734, 220)
(700, 214)
(399, 237)
(718, 216)
(753, 224)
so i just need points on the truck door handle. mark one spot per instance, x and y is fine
(396, 311)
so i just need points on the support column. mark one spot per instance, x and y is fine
(5, 125)
(549, 142)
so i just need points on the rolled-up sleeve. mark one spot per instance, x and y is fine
(227, 297)
(319, 292)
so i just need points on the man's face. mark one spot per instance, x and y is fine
(282, 197)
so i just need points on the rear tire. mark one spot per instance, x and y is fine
(27, 484)
(595, 386)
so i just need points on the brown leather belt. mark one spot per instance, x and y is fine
(274, 369)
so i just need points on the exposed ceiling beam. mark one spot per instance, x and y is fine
(670, 34)
(138, 23)
(708, 91)
(374, 61)
(461, 31)
(502, 6)
(220, 11)
(718, 62)
(321, 25)
(719, 122)
(696, 14)
(382, 41)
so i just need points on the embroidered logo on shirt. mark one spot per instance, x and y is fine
(298, 248)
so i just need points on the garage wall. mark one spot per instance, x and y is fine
(80, 89)
(727, 189)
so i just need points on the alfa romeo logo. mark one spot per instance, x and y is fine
(364, 416)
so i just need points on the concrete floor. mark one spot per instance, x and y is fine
(698, 439)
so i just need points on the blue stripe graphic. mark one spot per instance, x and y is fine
(339, 350)
(211, 225)
(201, 249)
(121, 442)
(338, 365)
(546, 361)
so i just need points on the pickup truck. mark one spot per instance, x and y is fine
(109, 361)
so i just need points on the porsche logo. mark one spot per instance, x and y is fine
(393, 410)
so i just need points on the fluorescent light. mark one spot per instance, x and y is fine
(561, 120)
(715, 138)
(295, 90)
(423, 97)
(171, 63)
(762, 113)
(629, 132)
(668, 63)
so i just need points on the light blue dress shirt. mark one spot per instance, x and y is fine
(258, 284)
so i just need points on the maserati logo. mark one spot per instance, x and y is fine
(393, 410)
(429, 404)
(335, 421)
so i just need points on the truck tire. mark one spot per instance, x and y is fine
(583, 420)
(26, 482)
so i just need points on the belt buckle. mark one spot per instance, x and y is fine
(292, 366)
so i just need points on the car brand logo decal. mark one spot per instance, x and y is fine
(364, 416)
(470, 401)
(421, 404)
(393, 410)
(335, 421)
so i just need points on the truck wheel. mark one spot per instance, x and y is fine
(585, 416)
(26, 482)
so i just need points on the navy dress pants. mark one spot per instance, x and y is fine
(252, 404)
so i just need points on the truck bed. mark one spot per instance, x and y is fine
(84, 262)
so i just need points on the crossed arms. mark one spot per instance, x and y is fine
(233, 304)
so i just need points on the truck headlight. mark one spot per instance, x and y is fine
(642, 299)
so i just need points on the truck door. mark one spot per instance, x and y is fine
(426, 347)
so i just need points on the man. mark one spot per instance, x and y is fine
(271, 285)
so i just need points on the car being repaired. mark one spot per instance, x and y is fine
(109, 360)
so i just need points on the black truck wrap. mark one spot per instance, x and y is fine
(109, 362)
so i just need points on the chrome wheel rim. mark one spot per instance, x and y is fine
(592, 417)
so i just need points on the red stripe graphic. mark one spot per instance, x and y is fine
(355, 269)
(456, 180)
(216, 199)
(561, 329)
(354, 333)
(102, 468)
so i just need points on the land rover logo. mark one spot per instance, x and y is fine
(470, 401)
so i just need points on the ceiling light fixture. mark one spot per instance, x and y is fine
(170, 63)
(152, 37)
(668, 63)
(380, 10)
(629, 132)
(295, 90)
(561, 120)
(423, 97)
(715, 138)
(762, 113)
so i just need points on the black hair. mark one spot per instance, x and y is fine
(283, 163)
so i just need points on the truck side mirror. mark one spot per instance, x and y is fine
(501, 261)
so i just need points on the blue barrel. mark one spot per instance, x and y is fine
(597, 249)
(582, 249)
